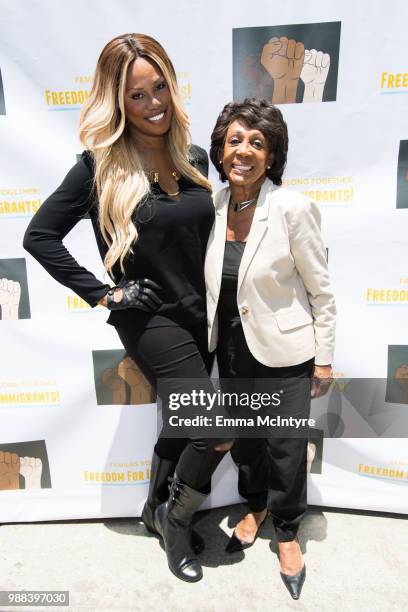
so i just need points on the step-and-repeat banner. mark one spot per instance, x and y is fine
(77, 419)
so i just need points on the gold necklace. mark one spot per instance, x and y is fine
(176, 177)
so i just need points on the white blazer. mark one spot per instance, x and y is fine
(284, 298)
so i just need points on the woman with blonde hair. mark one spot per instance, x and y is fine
(145, 189)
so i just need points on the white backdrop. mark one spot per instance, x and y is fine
(77, 426)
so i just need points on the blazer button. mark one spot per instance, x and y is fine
(244, 310)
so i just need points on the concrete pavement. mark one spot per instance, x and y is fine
(355, 561)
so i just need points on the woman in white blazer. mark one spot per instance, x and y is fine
(271, 312)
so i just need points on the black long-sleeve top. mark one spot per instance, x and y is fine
(170, 249)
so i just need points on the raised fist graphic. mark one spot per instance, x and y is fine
(31, 469)
(10, 294)
(116, 384)
(314, 74)
(283, 58)
(401, 376)
(9, 471)
(140, 390)
(311, 454)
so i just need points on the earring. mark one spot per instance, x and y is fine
(220, 162)
(268, 167)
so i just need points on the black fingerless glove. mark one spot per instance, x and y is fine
(138, 294)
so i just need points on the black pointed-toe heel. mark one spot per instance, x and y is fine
(237, 545)
(294, 583)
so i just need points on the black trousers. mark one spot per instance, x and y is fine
(272, 470)
(177, 352)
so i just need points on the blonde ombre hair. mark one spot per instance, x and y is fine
(120, 181)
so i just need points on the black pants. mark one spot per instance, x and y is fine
(177, 352)
(272, 470)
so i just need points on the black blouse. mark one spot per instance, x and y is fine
(227, 303)
(170, 249)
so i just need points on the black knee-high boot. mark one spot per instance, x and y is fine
(160, 472)
(173, 521)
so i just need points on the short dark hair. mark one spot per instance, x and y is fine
(255, 114)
